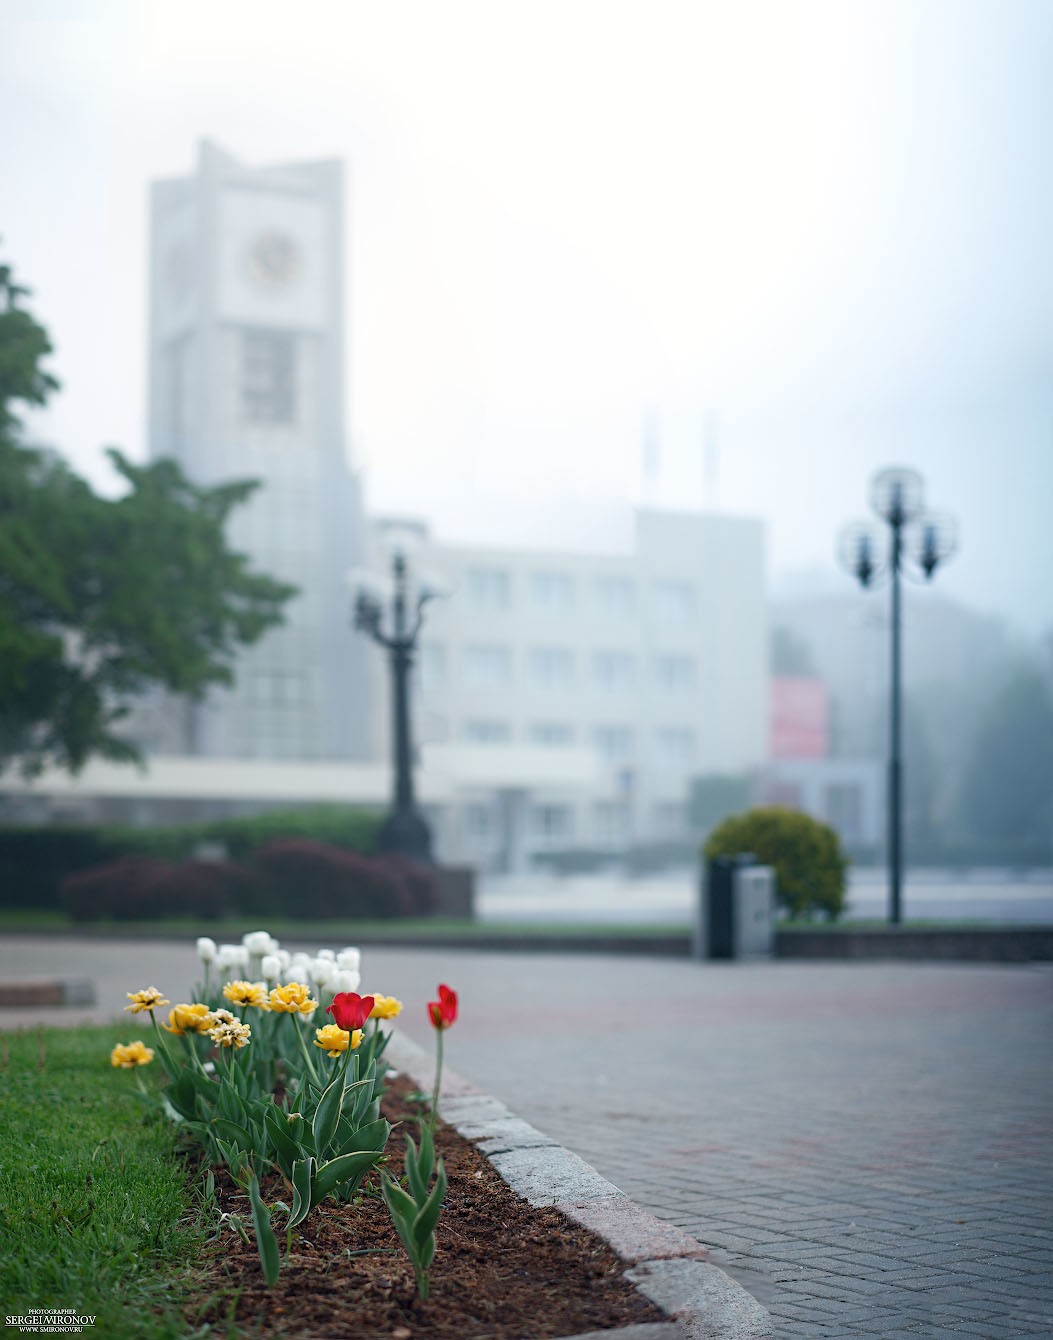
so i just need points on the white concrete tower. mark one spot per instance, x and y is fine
(247, 381)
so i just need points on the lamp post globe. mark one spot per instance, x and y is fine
(918, 543)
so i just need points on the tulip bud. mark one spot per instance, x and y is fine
(206, 949)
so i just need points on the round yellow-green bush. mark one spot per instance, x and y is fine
(810, 867)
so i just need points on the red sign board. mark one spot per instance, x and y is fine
(800, 718)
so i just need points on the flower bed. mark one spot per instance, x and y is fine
(303, 1140)
(502, 1271)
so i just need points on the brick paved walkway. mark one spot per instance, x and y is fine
(866, 1147)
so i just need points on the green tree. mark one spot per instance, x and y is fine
(102, 599)
(810, 867)
(1007, 792)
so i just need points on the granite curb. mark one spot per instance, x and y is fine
(667, 1266)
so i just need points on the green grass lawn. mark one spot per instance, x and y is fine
(97, 1210)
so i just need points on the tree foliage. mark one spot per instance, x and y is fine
(102, 599)
(1006, 795)
(810, 867)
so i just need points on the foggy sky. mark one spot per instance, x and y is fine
(825, 226)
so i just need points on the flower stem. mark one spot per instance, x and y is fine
(438, 1083)
(308, 1059)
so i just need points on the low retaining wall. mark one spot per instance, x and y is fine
(998, 944)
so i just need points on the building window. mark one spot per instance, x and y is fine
(487, 732)
(612, 821)
(615, 744)
(615, 597)
(179, 386)
(551, 669)
(479, 822)
(552, 592)
(268, 376)
(552, 823)
(673, 601)
(431, 666)
(551, 733)
(675, 674)
(614, 671)
(487, 589)
(278, 688)
(674, 746)
(487, 667)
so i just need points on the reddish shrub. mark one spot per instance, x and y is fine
(125, 888)
(314, 879)
(206, 889)
(422, 883)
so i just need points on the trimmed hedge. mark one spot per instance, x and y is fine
(293, 877)
(34, 862)
(810, 867)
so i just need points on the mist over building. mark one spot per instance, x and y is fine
(246, 379)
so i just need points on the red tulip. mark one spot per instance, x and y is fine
(350, 1010)
(443, 1012)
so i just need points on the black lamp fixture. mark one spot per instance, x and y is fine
(918, 543)
(405, 831)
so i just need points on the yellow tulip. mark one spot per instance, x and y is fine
(131, 1055)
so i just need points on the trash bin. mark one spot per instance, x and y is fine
(736, 909)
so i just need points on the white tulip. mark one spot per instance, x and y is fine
(323, 970)
(271, 967)
(345, 979)
(206, 949)
(327, 953)
(350, 959)
(232, 956)
(258, 942)
(284, 958)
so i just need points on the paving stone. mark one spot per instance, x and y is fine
(832, 1120)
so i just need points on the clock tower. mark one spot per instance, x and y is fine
(247, 381)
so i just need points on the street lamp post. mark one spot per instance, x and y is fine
(917, 542)
(405, 829)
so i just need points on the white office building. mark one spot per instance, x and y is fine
(576, 695)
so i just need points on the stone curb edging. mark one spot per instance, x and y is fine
(666, 1265)
(40, 991)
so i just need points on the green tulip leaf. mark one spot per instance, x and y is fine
(266, 1242)
(302, 1179)
(342, 1169)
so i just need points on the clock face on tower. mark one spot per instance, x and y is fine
(273, 260)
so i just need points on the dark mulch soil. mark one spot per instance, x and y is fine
(502, 1270)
